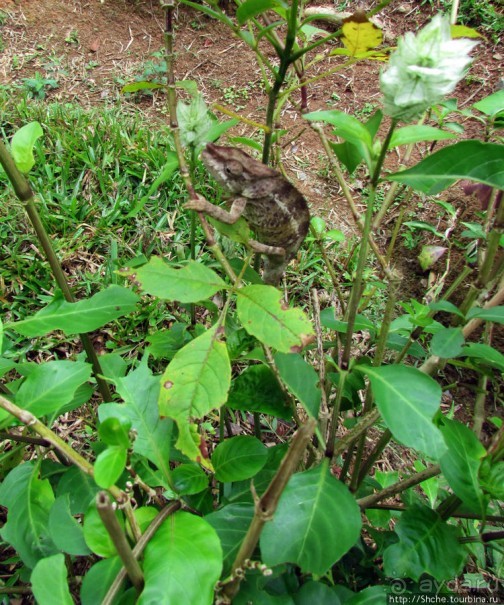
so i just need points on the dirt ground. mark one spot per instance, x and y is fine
(92, 48)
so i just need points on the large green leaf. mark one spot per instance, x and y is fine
(317, 521)
(251, 8)
(51, 385)
(196, 381)
(109, 465)
(461, 464)
(49, 581)
(80, 488)
(316, 592)
(492, 104)
(495, 314)
(238, 458)
(473, 160)
(257, 390)
(301, 380)
(182, 562)
(28, 501)
(485, 354)
(264, 315)
(189, 284)
(140, 392)
(347, 126)
(427, 545)
(65, 531)
(231, 524)
(189, 479)
(76, 318)
(407, 400)
(448, 342)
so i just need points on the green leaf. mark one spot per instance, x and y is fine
(491, 478)
(264, 315)
(461, 464)
(495, 314)
(446, 306)
(22, 145)
(109, 465)
(182, 562)
(418, 133)
(28, 500)
(49, 581)
(347, 127)
(98, 580)
(238, 232)
(257, 390)
(372, 595)
(189, 284)
(80, 487)
(79, 317)
(145, 85)
(189, 479)
(96, 536)
(316, 592)
(485, 354)
(115, 431)
(140, 393)
(407, 400)
(492, 104)
(165, 343)
(473, 160)
(424, 541)
(301, 380)
(447, 343)
(317, 521)
(362, 323)
(51, 385)
(238, 458)
(196, 381)
(231, 524)
(251, 8)
(66, 532)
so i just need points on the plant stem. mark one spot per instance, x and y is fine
(25, 194)
(116, 533)
(266, 505)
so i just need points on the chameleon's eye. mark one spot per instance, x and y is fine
(233, 168)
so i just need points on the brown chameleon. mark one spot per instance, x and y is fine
(274, 209)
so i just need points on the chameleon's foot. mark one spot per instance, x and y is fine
(198, 204)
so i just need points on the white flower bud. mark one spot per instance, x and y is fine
(424, 68)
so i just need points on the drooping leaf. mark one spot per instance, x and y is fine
(417, 133)
(407, 400)
(346, 126)
(472, 160)
(484, 354)
(447, 343)
(495, 314)
(359, 34)
(191, 283)
(238, 458)
(28, 500)
(231, 524)
(424, 541)
(80, 488)
(462, 31)
(182, 562)
(51, 385)
(22, 145)
(257, 390)
(264, 315)
(196, 381)
(140, 392)
(301, 380)
(65, 530)
(98, 580)
(461, 464)
(76, 318)
(49, 581)
(317, 521)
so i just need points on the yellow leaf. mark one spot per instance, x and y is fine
(462, 31)
(359, 34)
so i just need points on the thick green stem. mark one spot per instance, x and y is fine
(25, 194)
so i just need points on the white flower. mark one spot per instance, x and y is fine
(424, 69)
(194, 121)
